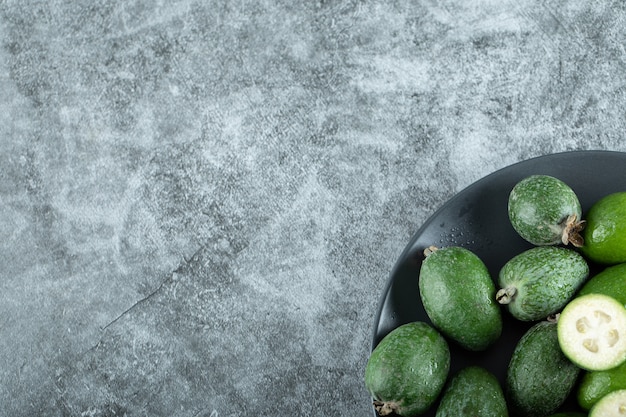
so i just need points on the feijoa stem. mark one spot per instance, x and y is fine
(506, 295)
(384, 408)
(571, 231)
(429, 250)
(553, 318)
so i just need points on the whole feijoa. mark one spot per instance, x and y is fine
(610, 281)
(407, 370)
(539, 376)
(605, 233)
(540, 281)
(473, 392)
(458, 295)
(545, 211)
(596, 384)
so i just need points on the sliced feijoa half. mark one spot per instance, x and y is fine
(592, 332)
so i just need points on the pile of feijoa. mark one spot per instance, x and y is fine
(576, 343)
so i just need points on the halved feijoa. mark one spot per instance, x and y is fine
(545, 211)
(605, 232)
(540, 281)
(407, 370)
(612, 405)
(458, 295)
(592, 332)
(539, 377)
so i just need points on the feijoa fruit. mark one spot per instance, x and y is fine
(605, 233)
(596, 384)
(539, 376)
(407, 370)
(458, 295)
(540, 281)
(545, 211)
(473, 392)
(592, 332)
(611, 281)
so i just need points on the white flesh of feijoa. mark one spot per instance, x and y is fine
(611, 405)
(592, 332)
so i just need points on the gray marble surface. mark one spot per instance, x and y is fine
(201, 202)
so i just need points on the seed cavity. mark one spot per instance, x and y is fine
(612, 337)
(622, 409)
(582, 325)
(591, 345)
(602, 316)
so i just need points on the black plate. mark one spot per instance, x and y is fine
(477, 219)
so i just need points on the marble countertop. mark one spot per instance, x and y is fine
(201, 202)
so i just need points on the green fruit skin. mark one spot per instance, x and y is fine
(409, 368)
(605, 233)
(537, 207)
(596, 384)
(611, 281)
(473, 392)
(539, 377)
(458, 295)
(545, 278)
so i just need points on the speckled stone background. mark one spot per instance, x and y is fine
(201, 202)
